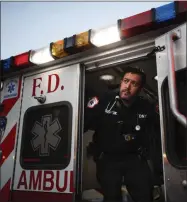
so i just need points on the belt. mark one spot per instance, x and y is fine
(110, 154)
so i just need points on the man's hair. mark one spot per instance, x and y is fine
(135, 71)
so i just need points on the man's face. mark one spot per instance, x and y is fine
(130, 85)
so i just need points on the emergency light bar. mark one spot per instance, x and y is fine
(181, 7)
(105, 36)
(137, 24)
(82, 41)
(78, 43)
(41, 56)
(69, 44)
(151, 20)
(57, 49)
(22, 60)
(7, 65)
(165, 13)
(155, 18)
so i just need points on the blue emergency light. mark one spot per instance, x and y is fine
(7, 64)
(69, 44)
(165, 13)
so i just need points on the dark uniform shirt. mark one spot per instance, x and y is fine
(120, 129)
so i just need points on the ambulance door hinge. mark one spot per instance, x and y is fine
(41, 99)
(156, 50)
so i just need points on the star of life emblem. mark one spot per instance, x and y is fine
(46, 135)
(11, 89)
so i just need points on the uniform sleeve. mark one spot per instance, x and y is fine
(156, 119)
(156, 128)
(155, 144)
(92, 113)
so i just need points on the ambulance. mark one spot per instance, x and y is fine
(43, 93)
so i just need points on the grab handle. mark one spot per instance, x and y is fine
(171, 37)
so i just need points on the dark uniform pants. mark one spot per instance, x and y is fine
(136, 174)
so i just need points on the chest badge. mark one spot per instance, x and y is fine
(127, 137)
(137, 127)
(142, 116)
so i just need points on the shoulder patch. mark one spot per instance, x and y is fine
(93, 102)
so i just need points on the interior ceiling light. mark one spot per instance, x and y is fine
(107, 77)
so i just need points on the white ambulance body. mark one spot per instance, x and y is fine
(43, 148)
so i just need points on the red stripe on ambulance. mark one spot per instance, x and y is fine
(4, 192)
(30, 196)
(7, 145)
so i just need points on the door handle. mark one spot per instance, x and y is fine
(41, 99)
(171, 37)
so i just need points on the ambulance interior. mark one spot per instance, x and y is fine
(108, 79)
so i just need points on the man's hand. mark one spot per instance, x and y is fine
(90, 150)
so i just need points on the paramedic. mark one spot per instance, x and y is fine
(122, 123)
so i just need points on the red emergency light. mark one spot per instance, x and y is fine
(22, 60)
(181, 7)
(136, 24)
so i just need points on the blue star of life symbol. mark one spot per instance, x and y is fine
(46, 135)
(11, 87)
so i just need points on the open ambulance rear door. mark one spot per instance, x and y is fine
(172, 88)
(10, 101)
(45, 130)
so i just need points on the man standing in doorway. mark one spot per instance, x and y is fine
(122, 123)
